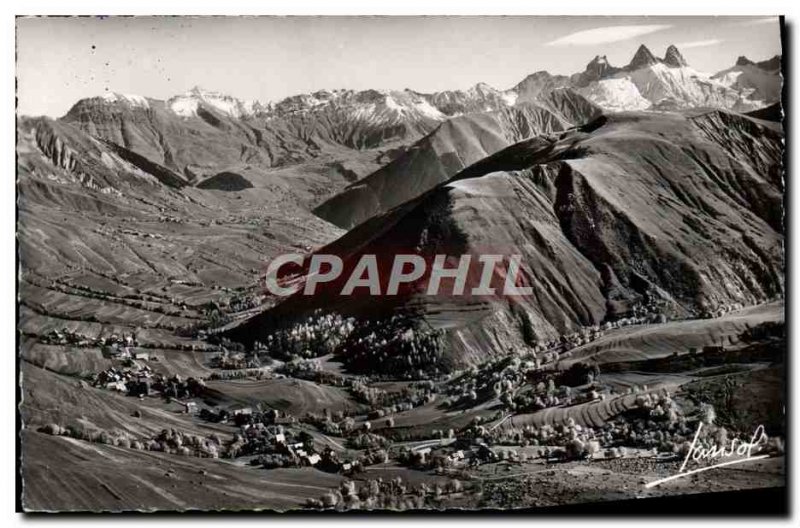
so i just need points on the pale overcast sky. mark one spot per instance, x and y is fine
(61, 60)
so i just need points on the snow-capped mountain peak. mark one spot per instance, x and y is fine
(647, 82)
(482, 89)
(111, 103)
(408, 102)
(757, 82)
(186, 105)
(127, 99)
(360, 108)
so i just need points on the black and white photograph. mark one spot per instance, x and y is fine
(401, 264)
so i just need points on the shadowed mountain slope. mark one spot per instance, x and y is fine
(633, 213)
(454, 145)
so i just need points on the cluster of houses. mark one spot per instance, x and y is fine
(140, 380)
(67, 337)
(281, 447)
(126, 353)
(296, 449)
(276, 444)
(137, 379)
(424, 455)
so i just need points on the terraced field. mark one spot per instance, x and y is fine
(643, 342)
(294, 396)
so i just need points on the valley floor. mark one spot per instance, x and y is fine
(64, 472)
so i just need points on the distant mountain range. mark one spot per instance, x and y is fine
(381, 105)
(350, 134)
(646, 82)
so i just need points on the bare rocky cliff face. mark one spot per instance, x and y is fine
(674, 58)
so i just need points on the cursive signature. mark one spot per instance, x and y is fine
(737, 447)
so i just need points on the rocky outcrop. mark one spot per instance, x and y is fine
(771, 64)
(674, 58)
(598, 68)
(642, 59)
(537, 84)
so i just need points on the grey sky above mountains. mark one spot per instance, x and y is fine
(61, 60)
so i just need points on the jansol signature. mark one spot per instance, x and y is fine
(743, 450)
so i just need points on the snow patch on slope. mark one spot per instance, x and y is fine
(616, 95)
(509, 97)
(752, 82)
(426, 109)
(186, 105)
(130, 99)
(684, 86)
